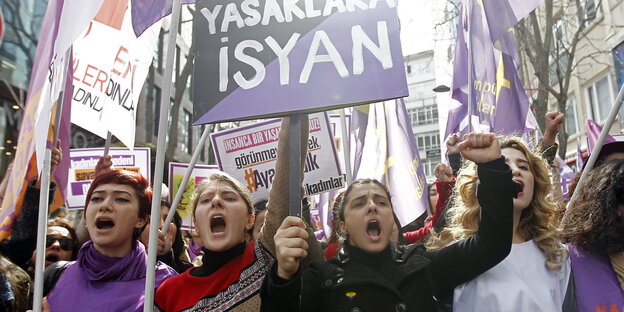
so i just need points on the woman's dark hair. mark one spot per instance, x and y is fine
(258, 207)
(60, 222)
(15, 285)
(133, 179)
(178, 242)
(343, 201)
(355, 183)
(594, 221)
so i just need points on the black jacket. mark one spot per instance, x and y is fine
(20, 246)
(407, 278)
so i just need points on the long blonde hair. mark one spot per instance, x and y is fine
(537, 221)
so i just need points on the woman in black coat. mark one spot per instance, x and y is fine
(371, 275)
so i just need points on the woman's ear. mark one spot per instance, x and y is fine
(343, 228)
(250, 222)
(194, 227)
(141, 222)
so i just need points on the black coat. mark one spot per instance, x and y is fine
(407, 278)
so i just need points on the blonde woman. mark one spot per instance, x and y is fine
(535, 275)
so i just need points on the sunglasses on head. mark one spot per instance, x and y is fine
(67, 244)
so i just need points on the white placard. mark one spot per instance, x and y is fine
(248, 154)
(82, 169)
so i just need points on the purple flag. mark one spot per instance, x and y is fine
(593, 132)
(388, 153)
(566, 174)
(500, 103)
(579, 156)
(507, 13)
(147, 12)
(25, 164)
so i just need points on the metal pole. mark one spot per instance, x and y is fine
(187, 176)
(44, 195)
(470, 65)
(294, 163)
(107, 144)
(148, 303)
(345, 146)
(603, 134)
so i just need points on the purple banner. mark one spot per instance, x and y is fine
(386, 150)
(147, 12)
(499, 102)
(270, 59)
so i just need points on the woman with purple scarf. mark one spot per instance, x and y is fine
(594, 227)
(109, 273)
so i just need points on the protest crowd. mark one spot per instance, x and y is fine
(500, 228)
(500, 239)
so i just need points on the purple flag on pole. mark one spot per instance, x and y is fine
(147, 12)
(566, 174)
(506, 14)
(388, 153)
(579, 156)
(593, 132)
(500, 103)
(25, 164)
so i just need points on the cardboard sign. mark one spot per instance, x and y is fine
(82, 169)
(265, 58)
(249, 153)
(176, 174)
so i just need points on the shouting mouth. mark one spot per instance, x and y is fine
(217, 225)
(373, 229)
(104, 223)
(521, 188)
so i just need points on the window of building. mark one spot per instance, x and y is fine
(423, 115)
(158, 54)
(559, 35)
(197, 136)
(429, 141)
(409, 69)
(176, 66)
(186, 132)
(429, 165)
(571, 118)
(589, 10)
(600, 95)
(156, 107)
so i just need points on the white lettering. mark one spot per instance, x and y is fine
(251, 61)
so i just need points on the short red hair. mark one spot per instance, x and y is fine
(133, 179)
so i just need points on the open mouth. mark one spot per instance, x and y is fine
(373, 229)
(52, 258)
(217, 224)
(104, 223)
(520, 187)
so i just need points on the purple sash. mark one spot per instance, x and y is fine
(597, 287)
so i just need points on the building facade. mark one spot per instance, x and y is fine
(422, 108)
(598, 65)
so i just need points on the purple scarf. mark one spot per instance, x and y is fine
(597, 287)
(194, 250)
(96, 282)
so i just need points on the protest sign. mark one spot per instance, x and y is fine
(82, 169)
(269, 57)
(248, 154)
(176, 174)
(110, 66)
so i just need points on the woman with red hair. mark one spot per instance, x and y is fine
(109, 273)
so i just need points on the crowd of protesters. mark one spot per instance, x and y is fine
(498, 237)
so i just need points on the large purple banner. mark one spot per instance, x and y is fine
(266, 58)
